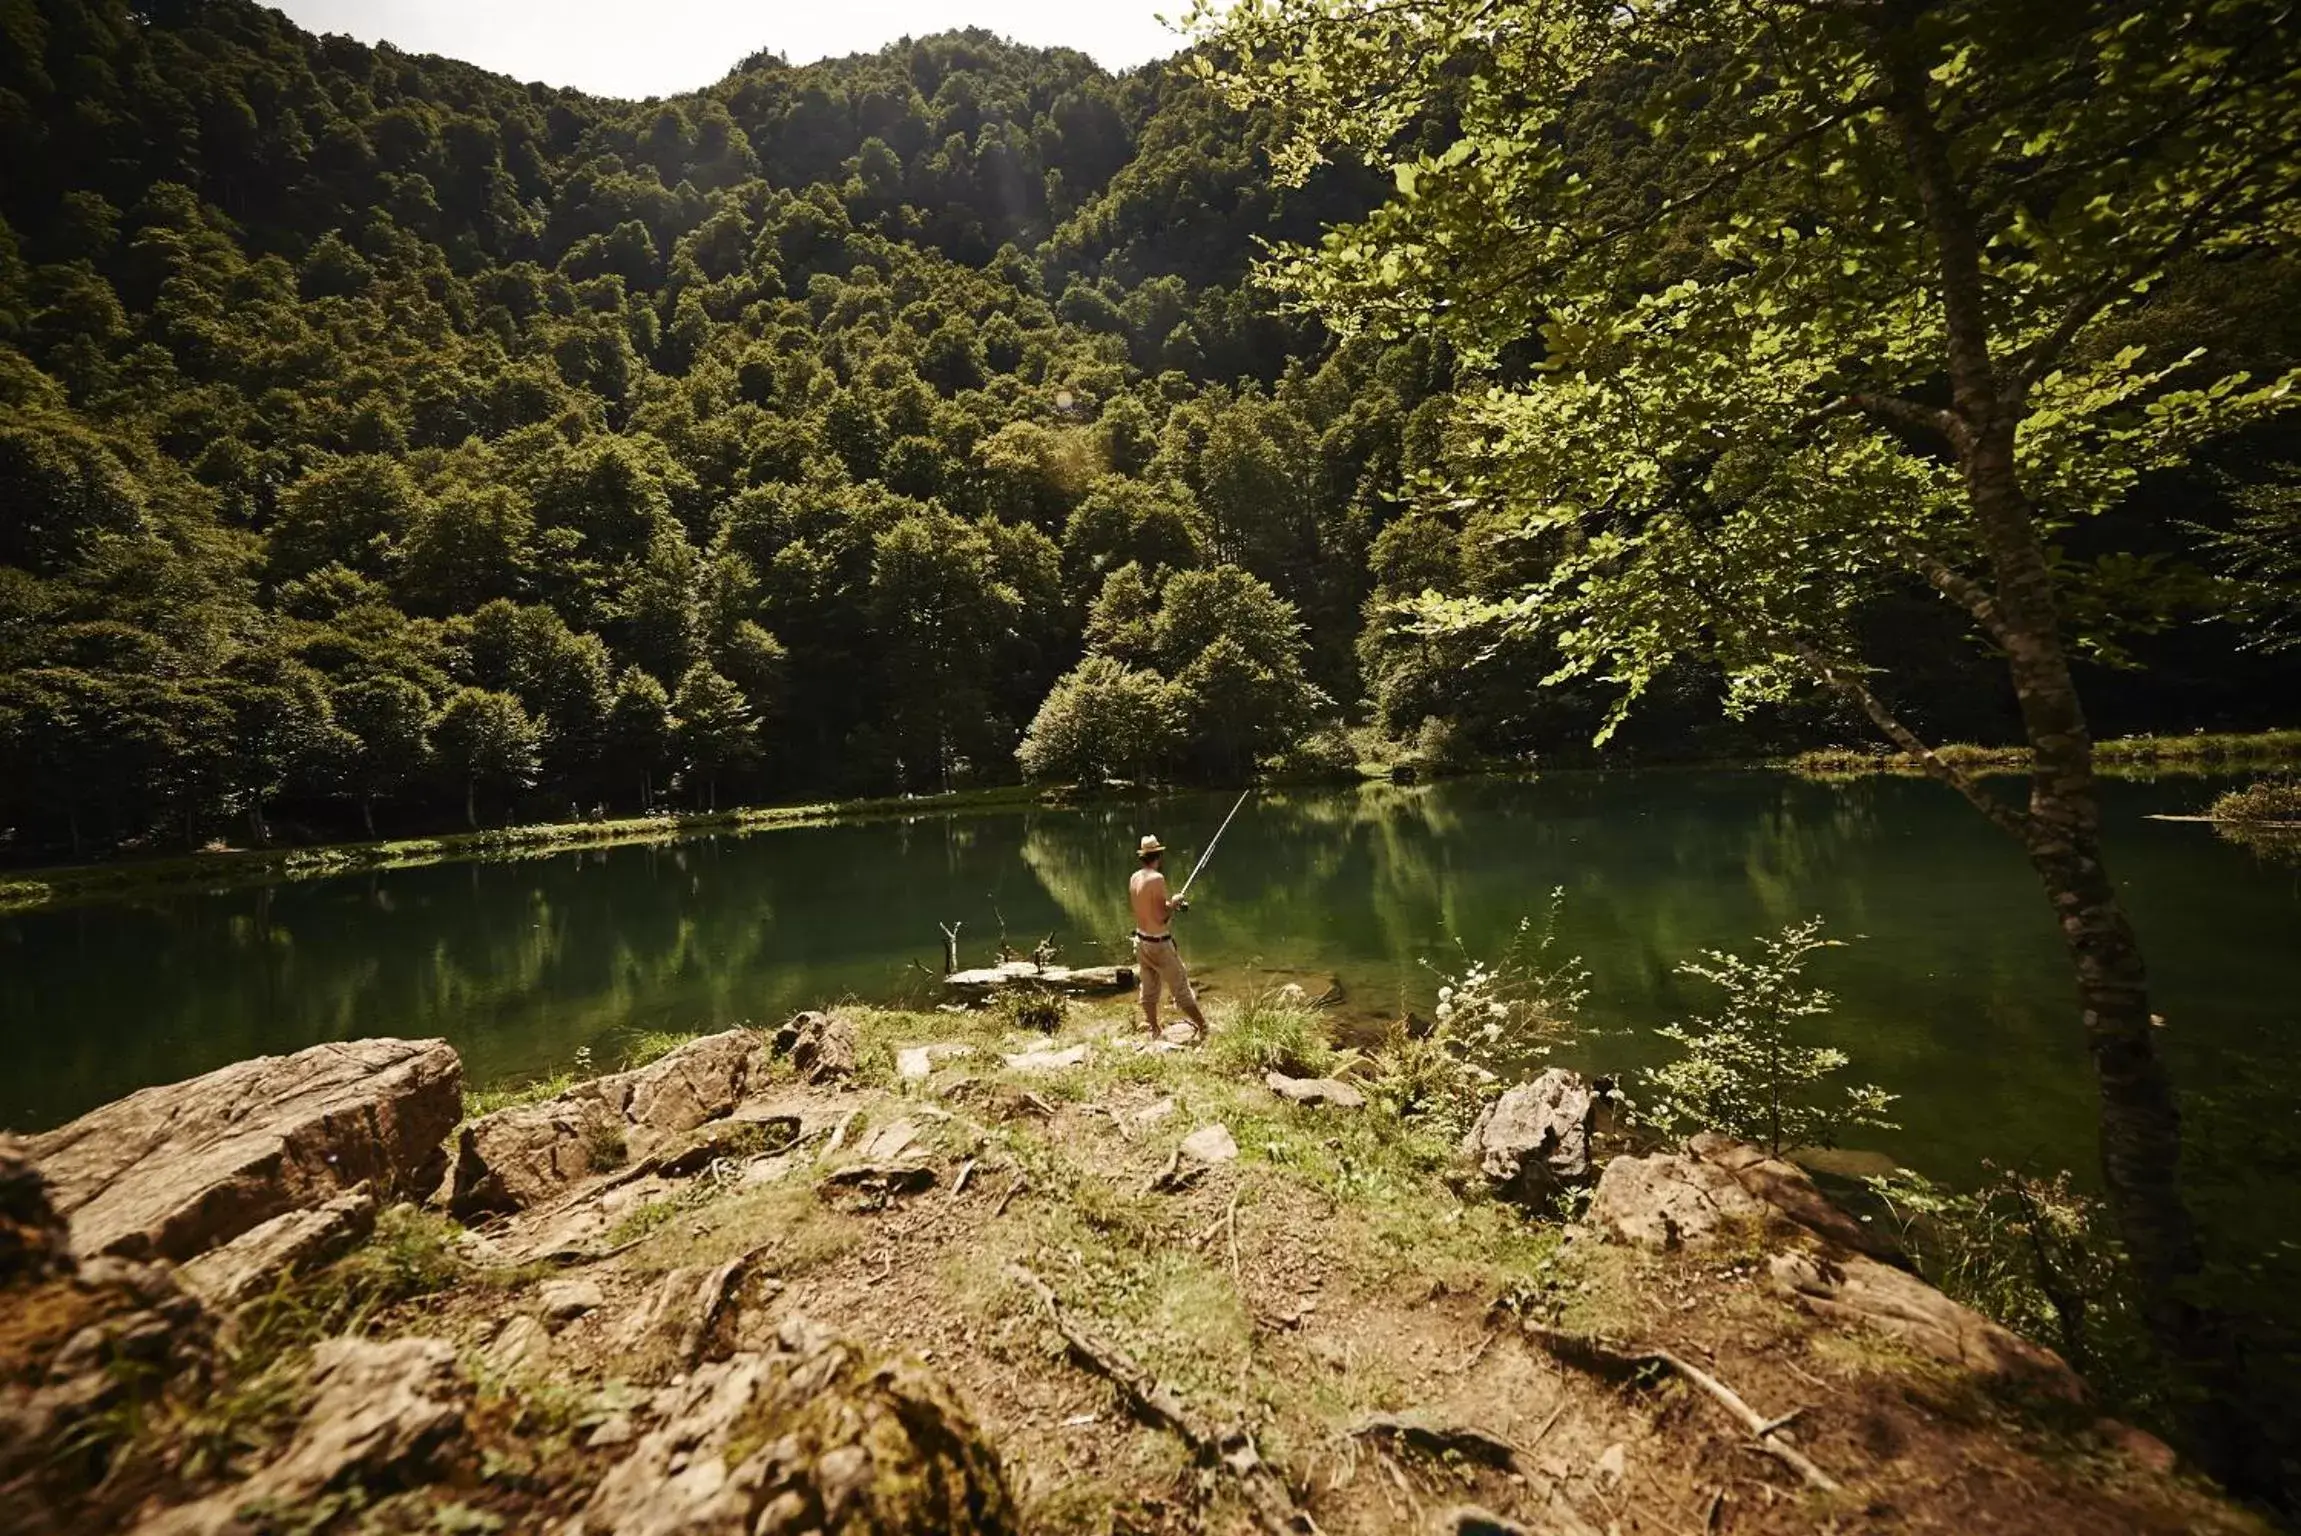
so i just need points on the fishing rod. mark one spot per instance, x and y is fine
(1218, 832)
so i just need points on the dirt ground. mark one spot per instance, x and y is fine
(1336, 1271)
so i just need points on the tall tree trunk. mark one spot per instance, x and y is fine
(2140, 1123)
(256, 828)
(2140, 1119)
(471, 802)
(368, 815)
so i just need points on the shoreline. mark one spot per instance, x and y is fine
(41, 887)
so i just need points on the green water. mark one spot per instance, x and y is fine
(1954, 993)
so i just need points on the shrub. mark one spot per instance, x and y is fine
(1030, 1008)
(2038, 1256)
(2262, 800)
(1742, 1073)
(1491, 1015)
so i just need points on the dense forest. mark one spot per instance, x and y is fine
(387, 443)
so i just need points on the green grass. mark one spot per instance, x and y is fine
(486, 1101)
(2199, 752)
(1270, 1034)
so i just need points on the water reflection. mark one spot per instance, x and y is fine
(1956, 995)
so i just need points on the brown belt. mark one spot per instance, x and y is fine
(1153, 938)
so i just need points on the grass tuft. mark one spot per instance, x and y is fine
(1271, 1033)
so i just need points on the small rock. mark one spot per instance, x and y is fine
(1048, 1061)
(1669, 1200)
(917, 1063)
(887, 1143)
(1314, 1090)
(563, 1301)
(521, 1348)
(1178, 1034)
(616, 1429)
(1471, 1520)
(521, 1156)
(821, 1045)
(1613, 1464)
(1210, 1144)
(1152, 1114)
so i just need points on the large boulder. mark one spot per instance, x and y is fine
(1534, 1141)
(1853, 1289)
(1686, 1198)
(75, 1341)
(1669, 1200)
(516, 1157)
(172, 1172)
(807, 1437)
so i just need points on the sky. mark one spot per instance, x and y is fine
(637, 48)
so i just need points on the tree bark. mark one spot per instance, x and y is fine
(368, 815)
(2140, 1122)
(471, 803)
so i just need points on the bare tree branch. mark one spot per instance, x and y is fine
(2004, 817)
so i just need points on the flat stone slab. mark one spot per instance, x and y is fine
(287, 1244)
(1210, 1144)
(991, 979)
(917, 1063)
(1048, 1061)
(174, 1171)
(1314, 1090)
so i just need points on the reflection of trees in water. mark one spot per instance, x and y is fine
(1956, 997)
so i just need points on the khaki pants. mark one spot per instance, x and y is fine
(1159, 964)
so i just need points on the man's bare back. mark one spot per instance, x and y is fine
(1146, 893)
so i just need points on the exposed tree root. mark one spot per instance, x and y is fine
(1595, 1355)
(1471, 1444)
(1230, 1449)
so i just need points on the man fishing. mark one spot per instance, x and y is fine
(1156, 959)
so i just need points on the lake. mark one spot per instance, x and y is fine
(1953, 989)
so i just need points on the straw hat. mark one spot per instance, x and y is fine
(1150, 845)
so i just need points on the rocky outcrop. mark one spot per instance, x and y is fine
(1534, 1141)
(1673, 1199)
(75, 1339)
(807, 1437)
(1689, 1199)
(260, 1257)
(821, 1046)
(1791, 1191)
(172, 1172)
(1853, 1289)
(383, 1409)
(516, 1157)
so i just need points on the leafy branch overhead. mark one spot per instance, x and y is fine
(1700, 254)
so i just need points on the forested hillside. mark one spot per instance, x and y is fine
(391, 443)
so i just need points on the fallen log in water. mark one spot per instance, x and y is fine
(993, 979)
